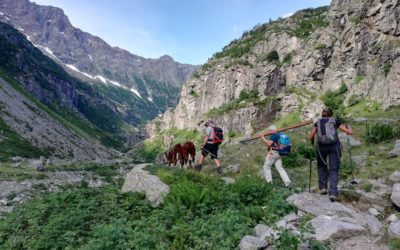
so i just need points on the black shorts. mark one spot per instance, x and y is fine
(211, 149)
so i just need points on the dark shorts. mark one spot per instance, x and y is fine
(211, 149)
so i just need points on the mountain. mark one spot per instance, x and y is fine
(46, 112)
(345, 56)
(154, 81)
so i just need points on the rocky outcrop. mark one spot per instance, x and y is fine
(395, 196)
(355, 43)
(139, 180)
(395, 152)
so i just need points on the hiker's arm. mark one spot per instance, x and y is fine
(205, 141)
(346, 129)
(312, 134)
(266, 141)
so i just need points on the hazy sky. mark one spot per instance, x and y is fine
(188, 30)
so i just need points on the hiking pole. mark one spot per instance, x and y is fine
(353, 181)
(310, 158)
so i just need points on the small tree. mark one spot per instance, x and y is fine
(273, 56)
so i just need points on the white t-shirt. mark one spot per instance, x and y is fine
(209, 133)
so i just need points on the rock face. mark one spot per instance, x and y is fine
(327, 227)
(394, 229)
(92, 59)
(139, 180)
(356, 44)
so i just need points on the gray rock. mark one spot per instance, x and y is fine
(328, 227)
(252, 243)
(394, 229)
(231, 169)
(139, 180)
(16, 158)
(261, 229)
(36, 164)
(374, 211)
(395, 152)
(395, 177)
(353, 142)
(395, 197)
(228, 180)
(360, 119)
(392, 218)
(3, 202)
(360, 160)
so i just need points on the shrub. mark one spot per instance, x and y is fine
(273, 56)
(353, 100)
(378, 133)
(386, 68)
(193, 93)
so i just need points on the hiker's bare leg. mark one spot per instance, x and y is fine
(201, 159)
(217, 162)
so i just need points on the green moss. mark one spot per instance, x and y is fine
(358, 79)
(288, 120)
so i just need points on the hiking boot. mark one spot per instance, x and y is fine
(332, 198)
(197, 168)
(323, 191)
(219, 170)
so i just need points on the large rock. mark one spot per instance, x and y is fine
(395, 197)
(395, 177)
(395, 152)
(139, 180)
(328, 227)
(234, 169)
(252, 243)
(353, 142)
(394, 229)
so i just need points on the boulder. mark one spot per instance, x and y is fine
(36, 164)
(234, 169)
(395, 177)
(261, 229)
(353, 142)
(395, 197)
(252, 243)
(139, 180)
(228, 180)
(395, 152)
(328, 227)
(394, 229)
(392, 218)
(373, 211)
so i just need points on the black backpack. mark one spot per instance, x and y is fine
(218, 135)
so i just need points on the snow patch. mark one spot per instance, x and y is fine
(136, 92)
(21, 29)
(8, 19)
(101, 78)
(90, 57)
(1, 13)
(150, 99)
(28, 38)
(116, 83)
(72, 67)
(87, 75)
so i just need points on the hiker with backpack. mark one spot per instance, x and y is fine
(328, 151)
(212, 139)
(278, 145)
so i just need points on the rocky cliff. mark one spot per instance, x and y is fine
(154, 81)
(288, 69)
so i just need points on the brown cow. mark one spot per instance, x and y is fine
(173, 155)
(188, 154)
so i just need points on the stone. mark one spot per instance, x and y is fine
(36, 164)
(395, 152)
(139, 180)
(360, 119)
(395, 177)
(249, 242)
(395, 197)
(394, 229)
(360, 160)
(328, 227)
(234, 169)
(374, 211)
(228, 180)
(261, 229)
(392, 218)
(353, 142)
(3, 202)
(16, 158)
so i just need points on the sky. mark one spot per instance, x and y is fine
(190, 31)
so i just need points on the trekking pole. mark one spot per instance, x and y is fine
(353, 181)
(309, 181)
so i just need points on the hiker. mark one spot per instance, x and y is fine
(210, 146)
(274, 158)
(328, 145)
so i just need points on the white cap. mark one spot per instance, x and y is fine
(272, 127)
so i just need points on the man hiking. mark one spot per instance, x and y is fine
(274, 158)
(328, 149)
(210, 146)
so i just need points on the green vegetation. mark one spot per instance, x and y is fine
(193, 93)
(10, 173)
(273, 56)
(244, 62)
(353, 100)
(386, 68)
(379, 132)
(12, 144)
(359, 79)
(200, 212)
(288, 57)
(289, 119)
(301, 91)
(335, 100)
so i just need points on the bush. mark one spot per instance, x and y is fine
(273, 56)
(378, 133)
(200, 212)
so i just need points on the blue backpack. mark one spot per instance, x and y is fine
(285, 144)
